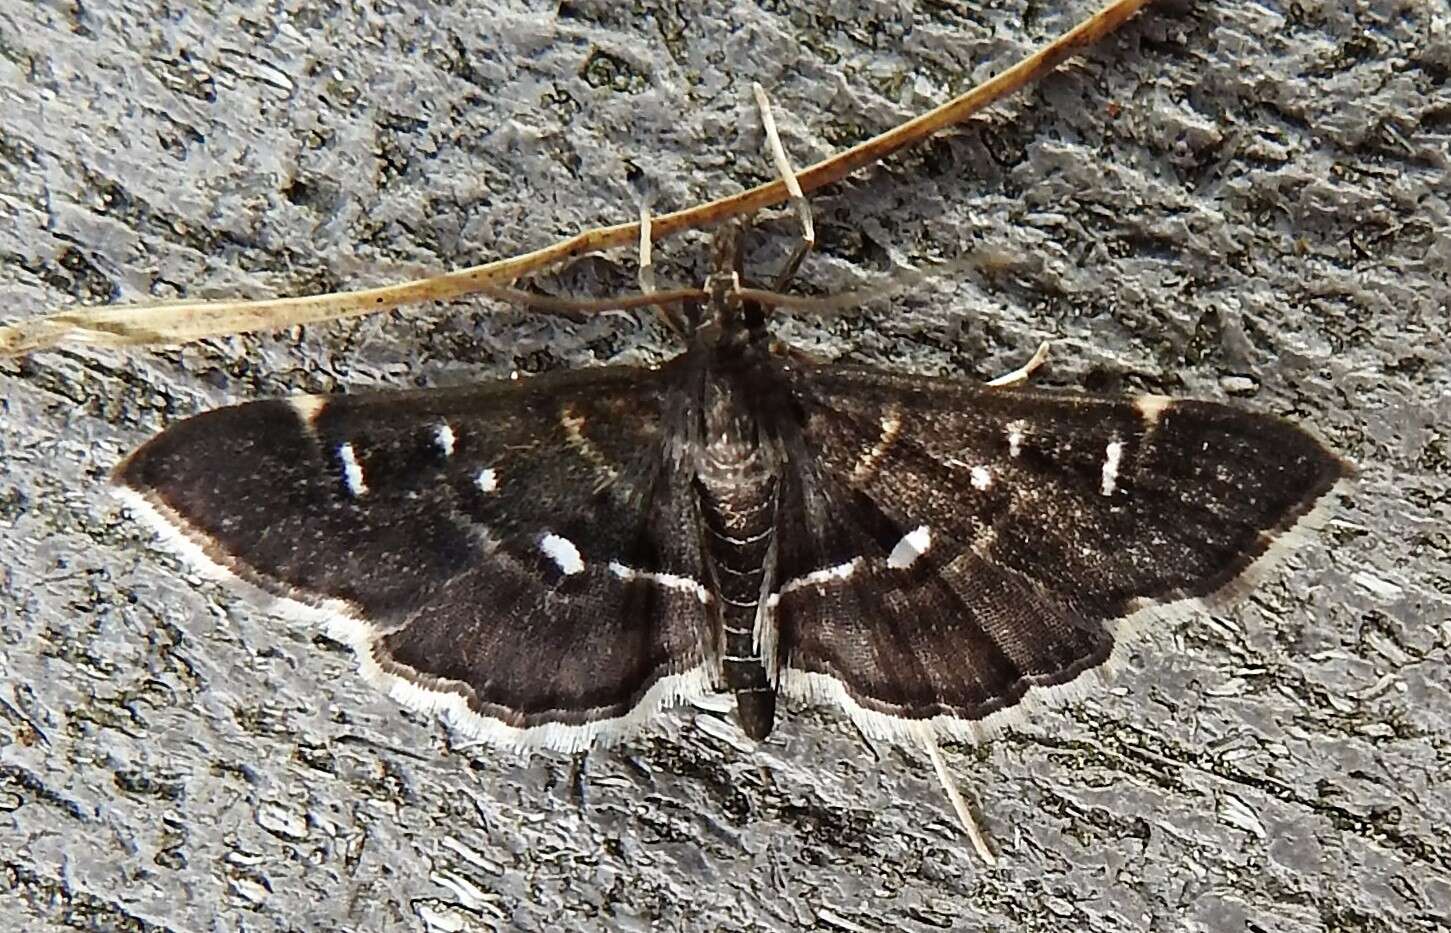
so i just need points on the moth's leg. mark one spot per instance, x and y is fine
(1022, 373)
(928, 739)
(646, 276)
(959, 806)
(793, 187)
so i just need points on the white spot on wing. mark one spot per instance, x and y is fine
(913, 545)
(308, 407)
(1150, 407)
(669, 581)
(1111, 457)
(562, 551)
(891, 424)
(816, 578)
(982, 477)
(487, 480)
(352, 471)
(1015, 437)
(444, 437)
(574, 431)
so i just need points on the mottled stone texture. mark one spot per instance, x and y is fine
(1226, 199)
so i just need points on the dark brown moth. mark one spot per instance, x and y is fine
(550, 561)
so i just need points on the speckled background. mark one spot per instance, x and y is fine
(1225, 199)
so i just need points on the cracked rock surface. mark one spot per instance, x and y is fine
(1225, 200)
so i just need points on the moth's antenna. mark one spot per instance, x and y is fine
(793, 188)
(578, 309)
(900, 281)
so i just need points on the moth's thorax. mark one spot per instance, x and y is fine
(735, 453)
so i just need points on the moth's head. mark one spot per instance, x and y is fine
(728, 319)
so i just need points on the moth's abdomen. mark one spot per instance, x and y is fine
(738, 496)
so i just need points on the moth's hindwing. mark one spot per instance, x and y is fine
(519, 556)
(948, 550)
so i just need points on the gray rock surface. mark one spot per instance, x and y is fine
(1226, 199)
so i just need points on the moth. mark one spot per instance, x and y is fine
(548, 562)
